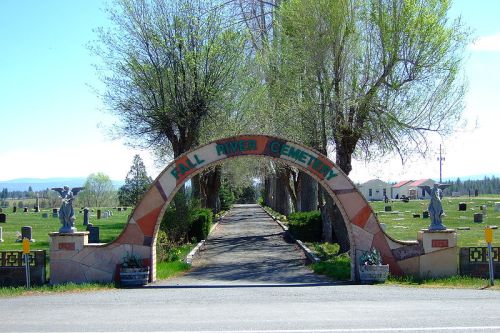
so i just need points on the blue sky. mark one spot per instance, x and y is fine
(52, 120)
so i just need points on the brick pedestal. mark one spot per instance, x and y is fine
(63, 249)
(440, 253)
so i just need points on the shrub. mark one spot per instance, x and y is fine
(337, 268)
(200, 223)
(326, 251)
(305, 226)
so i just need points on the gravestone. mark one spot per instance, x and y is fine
(14, 209)
(462, 206)
(45, 215)
(119, 209)
(93, 234)
(3, 218)
(55, 211)
(416, 216)
(26, 232)
(36, 209)
(25, 209)
(478, 217)
(425, 214)
(105, 215)
(85, 216)
(483, 209)
(1, 238)
(110, 213)
(388, 208)
(497, 206)
(98, 214)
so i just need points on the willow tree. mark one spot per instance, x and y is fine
(375, 76)
(384, 73)
(165, 67)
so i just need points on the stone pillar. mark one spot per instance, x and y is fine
(440, 253)
(63, 248)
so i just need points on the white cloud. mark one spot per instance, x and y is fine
(486, 43)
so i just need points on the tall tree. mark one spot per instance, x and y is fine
(166, 64)
(137, 183)
(98, 191)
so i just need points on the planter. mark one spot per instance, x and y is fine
(373, 273)
(132, 277)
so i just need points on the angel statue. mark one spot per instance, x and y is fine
(435, 206)
(66, 212)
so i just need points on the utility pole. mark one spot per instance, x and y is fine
(440, 159)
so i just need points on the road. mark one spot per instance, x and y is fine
(228, 291)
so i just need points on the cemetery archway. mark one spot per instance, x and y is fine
(138, 237)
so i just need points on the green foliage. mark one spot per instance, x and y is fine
(306, 226)
(226, 196)
(200, 224)
(98, 192)
(371, 258)
(338, 267)
(137, 183)
(326, 251)
(247, 196)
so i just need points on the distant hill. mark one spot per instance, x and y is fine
(39, 184)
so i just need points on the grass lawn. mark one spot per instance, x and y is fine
(109, 228)
(402, 226)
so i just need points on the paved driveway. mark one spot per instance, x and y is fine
(248, 247)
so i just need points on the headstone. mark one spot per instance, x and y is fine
(25, 209)
(98, 214)
(1, 238)
(26, 232)
(416, 216)
(105, 215)
(85, 216)
(55, 210)
(14, 209)
(388, 208)
(3, 218)
(497, 206)
(37, 209)
(483, 209)
(110, 213)
(119, 209)
(476, 193)
(425, 214)
(462, 206)
(45, 215)
(93, 234)
(478, 217)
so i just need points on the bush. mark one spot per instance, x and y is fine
(305, 226)
(200, 224)
(337, 268)
(326, 251)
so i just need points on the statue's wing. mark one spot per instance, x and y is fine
(75, 190)
(58, 190)
(443, 186)
(426, 188)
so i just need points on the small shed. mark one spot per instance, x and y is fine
(375, 189)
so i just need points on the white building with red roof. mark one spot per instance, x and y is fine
(420, 192)
(401, 188)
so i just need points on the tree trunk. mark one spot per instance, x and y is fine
(308, 193)
(282, 197)
(210, 185)
(337, 223)
(195, 186)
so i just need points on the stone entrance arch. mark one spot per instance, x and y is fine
(88, 262)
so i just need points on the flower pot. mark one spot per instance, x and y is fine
(373, 273)
(130, 277)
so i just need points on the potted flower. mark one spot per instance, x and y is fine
(371, 268)
(133, 272)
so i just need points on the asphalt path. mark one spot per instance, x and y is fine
(254, 296)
